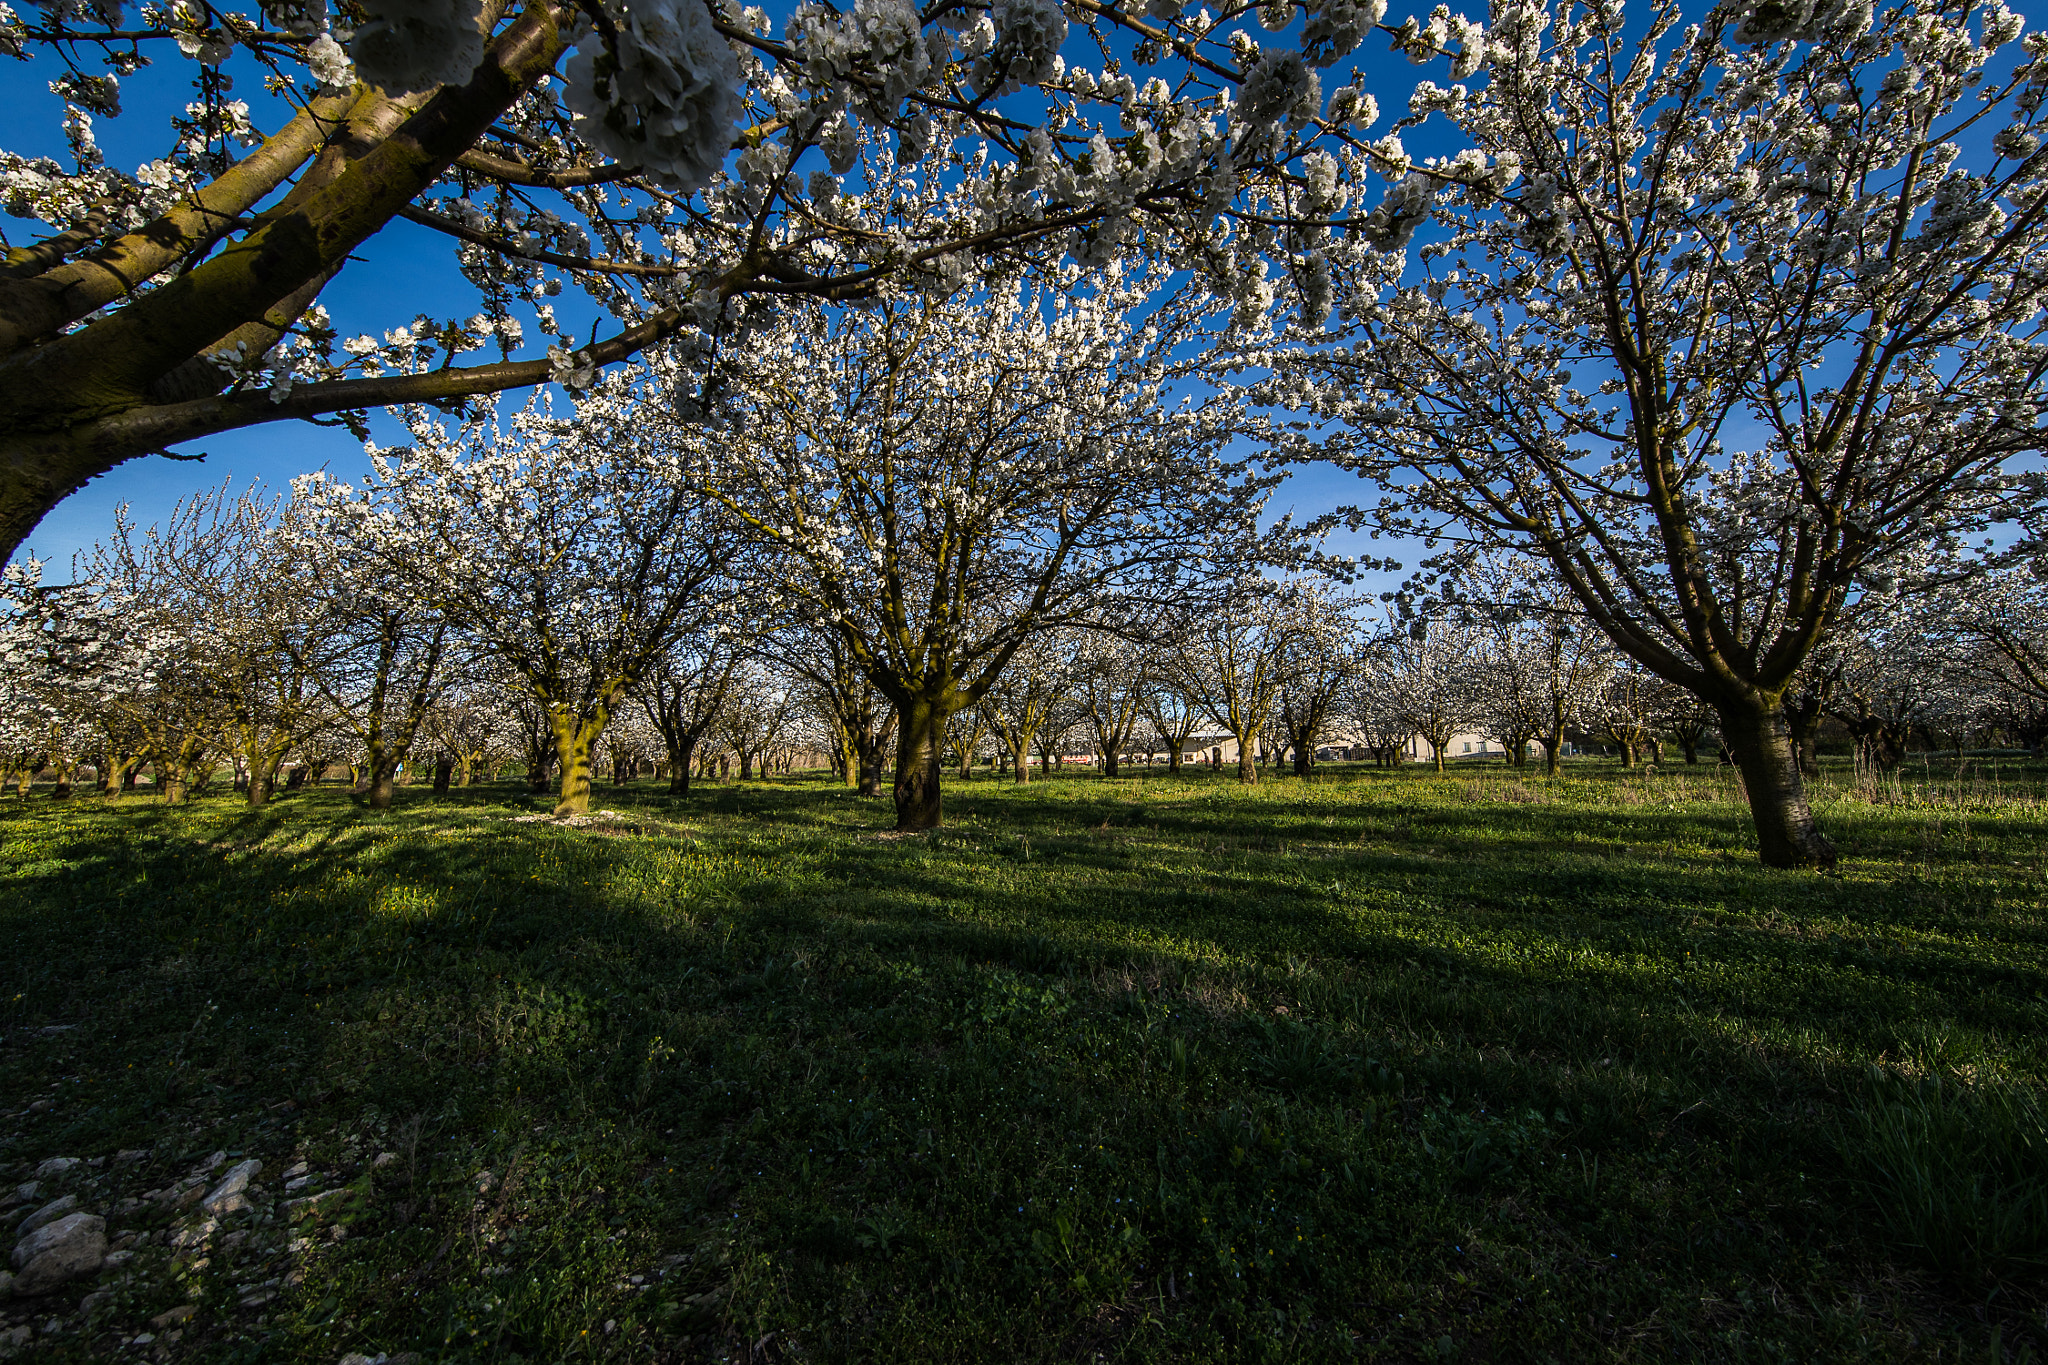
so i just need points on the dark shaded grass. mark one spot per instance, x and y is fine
(1375, 1066)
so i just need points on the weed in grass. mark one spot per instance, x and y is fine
(1295, 1057)
(1958, 1171)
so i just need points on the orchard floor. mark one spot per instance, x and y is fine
(1378, 1066)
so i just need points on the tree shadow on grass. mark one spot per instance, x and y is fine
(894, 1067)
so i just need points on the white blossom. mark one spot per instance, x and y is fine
(1280, 89)
(667, 100)
(406, 46)
(1026, 51)
(330, 63)
(1335, 28)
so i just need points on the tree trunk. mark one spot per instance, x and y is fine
(871, 745)
(1020, 762)
(1881, 747)
(573, 796)
(921, 730)
(679, 769)
(575, 737)
(1802, 723)
(1761, 744)
(1109, 761)
(444, 773)
(846, 757)
(1247, 764)
(382, 778)
(295, 779)
(540, 755)
(259, 788)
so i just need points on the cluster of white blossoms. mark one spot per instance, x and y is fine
(409, 46)
(1811, 21)
(652, 84)
(1281, 89)
(1407, 206)
(886, 37)
(1221, 157)
(1335, 28)
(660, 91)
(1026, 50)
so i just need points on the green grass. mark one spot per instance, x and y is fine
(1380, 1066)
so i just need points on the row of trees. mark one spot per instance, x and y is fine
(891, 503)
(1732, 324)
(232, 637)
(939, 519)
(240, 633)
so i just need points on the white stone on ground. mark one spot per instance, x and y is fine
(48, 1213)
(231, 1193)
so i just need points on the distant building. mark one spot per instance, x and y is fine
(1218, 748)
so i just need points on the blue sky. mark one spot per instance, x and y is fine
(403, 271)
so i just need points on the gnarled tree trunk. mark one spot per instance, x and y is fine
(575, 737)
(118, 775)
(1020, 758)
(680, 767)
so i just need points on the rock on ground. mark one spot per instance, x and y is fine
(231, 1193)
(48, 1213)
(72, 1246)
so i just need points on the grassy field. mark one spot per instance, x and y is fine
(1377, 1066)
